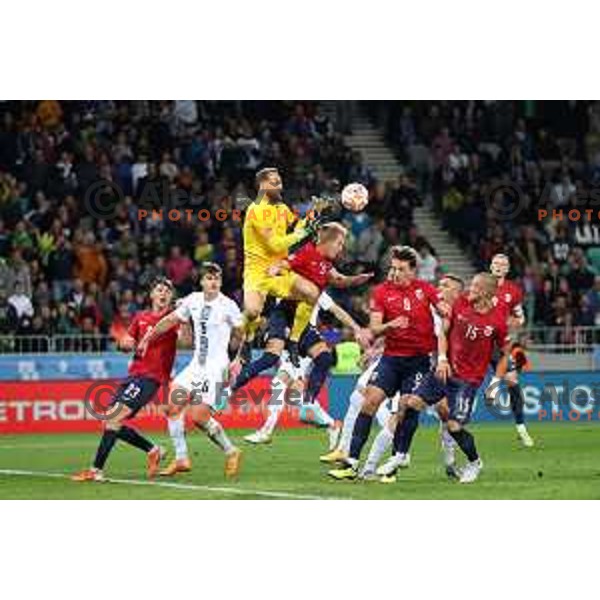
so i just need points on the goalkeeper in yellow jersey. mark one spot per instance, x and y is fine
(266, 243)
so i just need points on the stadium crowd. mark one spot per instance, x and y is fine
(71, 268)
(490, 167)
(76, 264)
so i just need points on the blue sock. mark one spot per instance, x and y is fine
(466, 442)
(318, 374)
(360, 434)
(252, 369)
(517, 403)
(405, 431)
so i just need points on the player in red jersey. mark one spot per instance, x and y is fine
(474, 329)
(509, 297)
(146, 375)
(313, 262)
(401, 312)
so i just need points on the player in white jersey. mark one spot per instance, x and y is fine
(307, 378)
(370, 359)
(217, 326)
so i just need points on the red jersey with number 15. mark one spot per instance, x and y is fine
(311, 264)
(160, 355)
(472, 338)
(415, 335)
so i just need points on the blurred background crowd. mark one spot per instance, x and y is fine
(74, 270)
(490, 167)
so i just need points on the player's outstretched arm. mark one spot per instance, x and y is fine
(443, 369)
(361, 334)
(338, 280)
(278, 243)
(379, 328)
(165, 324)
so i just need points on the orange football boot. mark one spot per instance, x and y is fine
(233, 463)
(153, 461)
(89, 475)
(183, 465)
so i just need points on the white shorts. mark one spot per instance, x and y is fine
(363, 380)
(288, 368)
(202, 382)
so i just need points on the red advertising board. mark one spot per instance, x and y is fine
(59, 406)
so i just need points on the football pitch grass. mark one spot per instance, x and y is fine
(564, 464)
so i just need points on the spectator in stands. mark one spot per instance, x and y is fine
(427, 263)
(9, 317)
(91, 263)
(179, 266)
(580, 277)
(21, 302)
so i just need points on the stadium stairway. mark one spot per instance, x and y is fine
(369, 140)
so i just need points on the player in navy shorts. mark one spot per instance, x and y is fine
(146, 375)
(509, 296)
(473, 330)
(401, 312)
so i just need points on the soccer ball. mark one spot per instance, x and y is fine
(355, 197)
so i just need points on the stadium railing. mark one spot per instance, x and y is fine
(560, 340)
(563, 340)
(56, 344)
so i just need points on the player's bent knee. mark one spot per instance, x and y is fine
(201, 413)
(414, 402)
(443, 411)
(454, 426)
(119, 413)
(372, 400)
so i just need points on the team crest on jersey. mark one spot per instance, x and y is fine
(507, 297)
(488, 331)
(419, 294)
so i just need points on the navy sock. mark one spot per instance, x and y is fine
(252, 369)
(466, 442)
(405, 431)
(517, 403)
(132, 437)
(109, 437)
(318, 374)
(360, 434)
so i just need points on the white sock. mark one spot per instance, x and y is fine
(448, 445)
(276, 406)
(322, 416)
(215, 432)
(356, 399)
(380, 446)
(521, 428)
(315, 414)
(383, 414)
(177, 433)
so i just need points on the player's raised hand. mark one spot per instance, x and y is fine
(126, 343)
(443, 370)
(400, 322)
